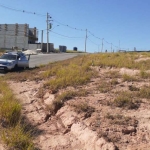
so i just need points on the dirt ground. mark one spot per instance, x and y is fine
(106, 128)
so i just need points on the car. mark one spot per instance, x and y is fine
(13, 60)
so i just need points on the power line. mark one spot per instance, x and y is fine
(93, 42)
(68, 25)
(94, 35)
(19, 10)
(65, 35)
(42, 15)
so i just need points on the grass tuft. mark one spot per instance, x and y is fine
(62, 98)
(129, 78)
(144, 92)
(125, 100)
(12, 132)
(17, 138)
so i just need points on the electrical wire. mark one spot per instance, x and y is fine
(42, 15)
(65, 35)
(92, 41)
(19, 10)
(68, 25)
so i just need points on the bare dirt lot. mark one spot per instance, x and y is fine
(90, 122)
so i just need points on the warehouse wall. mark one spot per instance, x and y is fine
(34, 46)
(14, 35)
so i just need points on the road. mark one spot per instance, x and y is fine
(41, 59)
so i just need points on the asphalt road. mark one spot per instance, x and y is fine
(41, 59)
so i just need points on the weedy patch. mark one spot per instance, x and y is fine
(17, 138)
(83, 107)
(129, 78)
(12, 132)
(144, 92)
(120, 119)
(133, 88)
(114, 82)
(113, 74)
(62, 98)
(125, 100)
(72, 75)
(104, 86)
(144, 74)
(10, 109)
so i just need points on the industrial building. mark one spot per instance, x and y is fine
(17, 35)
(20, 36)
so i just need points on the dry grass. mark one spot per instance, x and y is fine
(129, 78)
(105, 86)
(72, 72)
(83, 107)
(119, 119)
(125, 99)
(144, 74)
(17, 138)
(12, 132)
(62, 98)
(144, 92)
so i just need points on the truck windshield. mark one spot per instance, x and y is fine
(8, 57)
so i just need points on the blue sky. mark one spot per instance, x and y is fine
(124, 23)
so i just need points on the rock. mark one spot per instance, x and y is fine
(129, 130)
(48, 99)
(90, 139)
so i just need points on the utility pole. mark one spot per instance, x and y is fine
(48, 27)
(102, 45)
(41, 40)
(47, 32)
(85, 40)
(111, 47)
